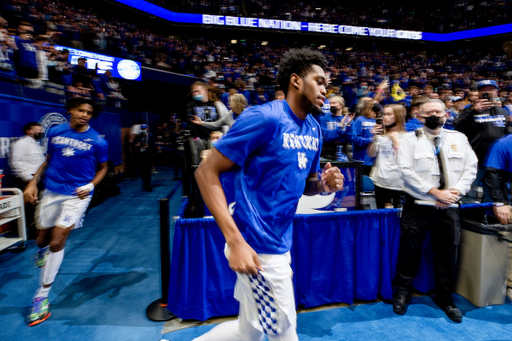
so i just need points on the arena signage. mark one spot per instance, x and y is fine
(120, 68)
(309, 27)
(330, 28)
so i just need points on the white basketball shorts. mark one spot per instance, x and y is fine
(267, 301)
(61, 210)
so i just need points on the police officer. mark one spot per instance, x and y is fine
(438, 167)
(482, 123)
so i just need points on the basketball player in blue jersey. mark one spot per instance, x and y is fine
(76, 162)
(274, 150)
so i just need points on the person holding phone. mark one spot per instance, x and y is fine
(387, 132)
(482, 123)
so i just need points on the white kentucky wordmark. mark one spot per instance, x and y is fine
(71, 142)
(303, 160)
(300, 141)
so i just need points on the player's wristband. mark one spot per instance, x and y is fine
(89, 186)
(497, 204)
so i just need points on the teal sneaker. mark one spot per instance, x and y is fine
(42, 256)
(39, 311)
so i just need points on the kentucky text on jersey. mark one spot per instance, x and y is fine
(298, 142)
(71, 142)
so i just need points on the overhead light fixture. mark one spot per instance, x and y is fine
(263, 43)
(321, 47)
(349, 49)
(233, 41)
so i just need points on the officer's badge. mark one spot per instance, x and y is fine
(454, 147)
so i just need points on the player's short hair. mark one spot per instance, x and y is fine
(29, 126)
(298, 61)
(75, 102)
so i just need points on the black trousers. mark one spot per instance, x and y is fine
(385, 196)
(444, 226)
(144, 162)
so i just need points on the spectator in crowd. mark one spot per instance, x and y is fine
(81, 74)
(41, 44)
(437, 166)
(237, 102)
(7, 48)
(385, 173)
(204, 109)
(25, 51)
(412, 121)
(362, 133)
(214, 137)
(144, 149)
(240, 86)
(26, 158)
(214, 95)
(483, 124)
(261, 97)
(113, 87)
(279, 95)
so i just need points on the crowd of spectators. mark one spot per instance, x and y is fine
(427, 17)
(251, 64)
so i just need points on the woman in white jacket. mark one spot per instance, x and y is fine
(385, 173)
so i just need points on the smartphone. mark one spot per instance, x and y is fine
(486, 95)
(379, 121)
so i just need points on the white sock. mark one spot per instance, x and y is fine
(43, 292)
(52, 266)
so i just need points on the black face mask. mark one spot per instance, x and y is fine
(391, 125)
(376, 107)
(38, 136)
(334, 110)
(433, 122)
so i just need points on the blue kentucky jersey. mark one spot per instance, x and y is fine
(74, 158)
(500, 155)
(274, 152)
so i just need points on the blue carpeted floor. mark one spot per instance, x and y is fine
(423, 321)
(110, 273)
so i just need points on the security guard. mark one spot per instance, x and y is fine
(482, 123)
(432, 191)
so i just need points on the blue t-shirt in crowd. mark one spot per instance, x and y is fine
(26, 53)
(500, 155)
(74, 158)
(274, 152)
(413, 124)
(362, 136)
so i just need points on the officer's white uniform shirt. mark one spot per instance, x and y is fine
(419, 167)
(26, 158)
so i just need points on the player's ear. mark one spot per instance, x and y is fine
(295, 81)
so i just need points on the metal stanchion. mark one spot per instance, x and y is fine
(157, 311)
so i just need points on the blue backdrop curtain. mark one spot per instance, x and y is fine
(336, 257)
